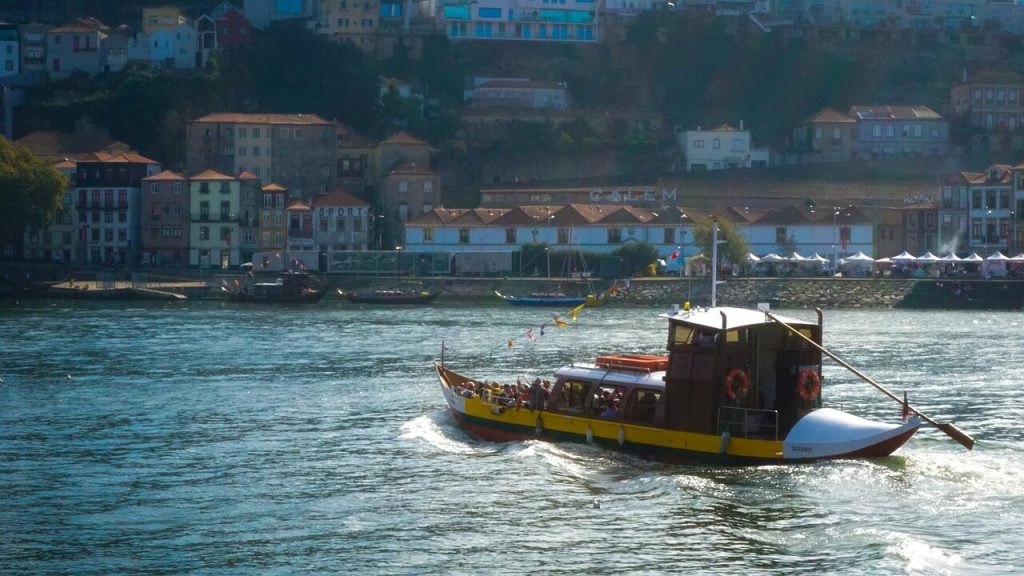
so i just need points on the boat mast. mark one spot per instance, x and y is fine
(714, 262)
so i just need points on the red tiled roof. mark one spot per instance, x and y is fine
(130, 158)
(212, 175)
(339, 198)
(894, 113)
(828, 115)
(242, 118)
(166, 175)
(403, 138)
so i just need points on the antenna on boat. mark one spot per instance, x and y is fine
(714, 261)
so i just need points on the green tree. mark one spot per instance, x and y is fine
(735, 248)
(636, 256)
(30, 190)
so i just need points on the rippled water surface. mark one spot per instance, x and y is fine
(214, 438)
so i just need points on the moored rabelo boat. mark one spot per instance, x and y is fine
(738, 386)
(289, 287)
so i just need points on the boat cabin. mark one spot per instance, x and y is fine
(289, 284)
(735, 370)
(728, 370)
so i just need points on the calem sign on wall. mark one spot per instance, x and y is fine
(630, 195)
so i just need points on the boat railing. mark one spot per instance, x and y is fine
(742, 422)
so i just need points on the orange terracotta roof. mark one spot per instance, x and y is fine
(339, 198)
(242, 118)
(246, 175)
(66, 164)
(403, 138)
(894, 113)
(828, 115)
(274, 187)
(166, 175)
(212, 175)
(298, 206)
(130, 158)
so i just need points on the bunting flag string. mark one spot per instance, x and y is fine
(532, 336)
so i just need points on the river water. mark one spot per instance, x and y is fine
(216, 438)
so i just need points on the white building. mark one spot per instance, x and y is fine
(175, 48)
(721, 148)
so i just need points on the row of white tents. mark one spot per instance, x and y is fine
(902, 258)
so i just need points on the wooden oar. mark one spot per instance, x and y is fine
(947, 427)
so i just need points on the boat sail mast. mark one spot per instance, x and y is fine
(714, 262)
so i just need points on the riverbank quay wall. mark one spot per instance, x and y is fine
(664, 291)
(748, 292)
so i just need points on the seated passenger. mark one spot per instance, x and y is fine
(612, 411)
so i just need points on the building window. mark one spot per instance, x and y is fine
(614, 236)
(510, 235)
(563, 235)
(428, 234)
(204, 232)
(669, 236)
(698, 143)
(403, 186)
(463, 235)
(780, 235)
(716, 144)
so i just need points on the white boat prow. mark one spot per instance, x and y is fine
(829, 433)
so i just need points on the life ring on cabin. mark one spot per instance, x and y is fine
(808, 385)
(737, 392)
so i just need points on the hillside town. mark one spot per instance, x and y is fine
(265, 189)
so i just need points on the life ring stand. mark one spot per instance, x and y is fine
(740, 391)
(808, 385)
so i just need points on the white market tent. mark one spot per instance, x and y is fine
(752, 258)
(860, 257)
(997, 256)
(903, 257)
(927, 258)
(1018, 258)
(818, 258)
(950, 258)
(794, 257)
(772, 257)
(973, 258)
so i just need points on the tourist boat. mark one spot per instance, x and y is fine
(391, 296)
(738, 386)
(288, 287)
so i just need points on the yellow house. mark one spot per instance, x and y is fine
(161, 17)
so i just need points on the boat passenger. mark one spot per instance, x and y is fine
(612, 411)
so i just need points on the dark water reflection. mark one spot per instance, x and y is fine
(215, 439)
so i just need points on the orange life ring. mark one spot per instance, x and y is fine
(808, 386)
(738, 392)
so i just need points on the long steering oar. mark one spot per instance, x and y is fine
(950, 430)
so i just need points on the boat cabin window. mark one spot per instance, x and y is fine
(738, 336)
(607, 401)
(683, 335)
(572, 396)
(642, 405)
